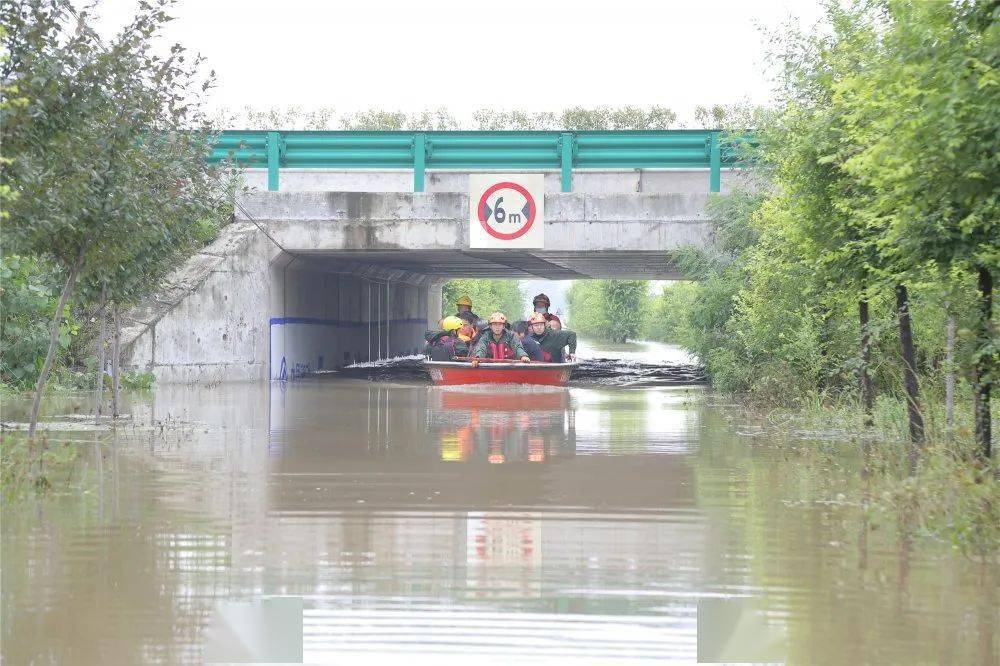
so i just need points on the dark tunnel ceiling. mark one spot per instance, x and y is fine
(505, 263)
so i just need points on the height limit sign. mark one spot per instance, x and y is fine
(506, 210)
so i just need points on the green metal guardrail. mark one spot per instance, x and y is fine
(566, 151)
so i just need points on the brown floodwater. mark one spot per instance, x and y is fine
(439, 525)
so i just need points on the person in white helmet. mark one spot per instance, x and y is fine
(499, 342)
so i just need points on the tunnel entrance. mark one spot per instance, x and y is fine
(333, 309)
(325, 317)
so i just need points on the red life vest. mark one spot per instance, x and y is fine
(500, 350)
(546, 356)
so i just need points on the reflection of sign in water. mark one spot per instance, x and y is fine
(506, 210)
(509, 545)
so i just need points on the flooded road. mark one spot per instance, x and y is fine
(436, 524)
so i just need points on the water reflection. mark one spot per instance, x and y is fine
(519, 424)
(440, 524)
(415, 445)
(479, 499)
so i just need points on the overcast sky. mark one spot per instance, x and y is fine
(463, 55)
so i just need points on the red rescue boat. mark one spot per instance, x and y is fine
(499, 372)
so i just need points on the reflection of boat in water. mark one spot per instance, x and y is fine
(501, 424)
(499, 372)
(539, 400)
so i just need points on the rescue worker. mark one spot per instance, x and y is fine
(443, 345)
(553, 341)
(466, 339)
(541, 305)
(430, 333)
(464, 306)
(555, 323)
(530, 344)
(499, 342)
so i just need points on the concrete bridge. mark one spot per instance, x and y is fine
(316, 276)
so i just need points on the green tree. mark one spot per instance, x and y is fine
(377, 119)
(487, 296)
(624, 307)
(668, 313)
(513, 119)
(28, 299)
(584, 301)
(929, 151)
(617, 118)
(435, 119)
(803, 150)
(610, 309)
(107, 156)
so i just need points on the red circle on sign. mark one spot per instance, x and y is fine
(506, 185)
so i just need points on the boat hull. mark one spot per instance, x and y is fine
(449, 373)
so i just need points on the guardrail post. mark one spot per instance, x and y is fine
(714, 165)
(419, 161)
(273, 160)
(567, 162)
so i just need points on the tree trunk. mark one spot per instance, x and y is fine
(74, 273)
(867, 388)
(101, 354)
(824, 346)
(116, 358)
(916, 421)
(949, 375)
(982, 377)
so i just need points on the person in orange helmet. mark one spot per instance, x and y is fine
(523, 330)
(552, 340)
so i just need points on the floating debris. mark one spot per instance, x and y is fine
(620, 372)
(600, 371)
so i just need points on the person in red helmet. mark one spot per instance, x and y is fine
(541, 305)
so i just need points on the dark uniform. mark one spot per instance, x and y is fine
(552, 344)
(533, 348)
(444, 346)
(469, 316)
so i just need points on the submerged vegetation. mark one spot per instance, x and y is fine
(34, 467)
(851, 283)
(945, 498)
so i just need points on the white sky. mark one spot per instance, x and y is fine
(535, 55)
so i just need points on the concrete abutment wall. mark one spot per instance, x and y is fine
(244, 310)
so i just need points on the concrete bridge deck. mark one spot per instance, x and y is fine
(626, 236)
